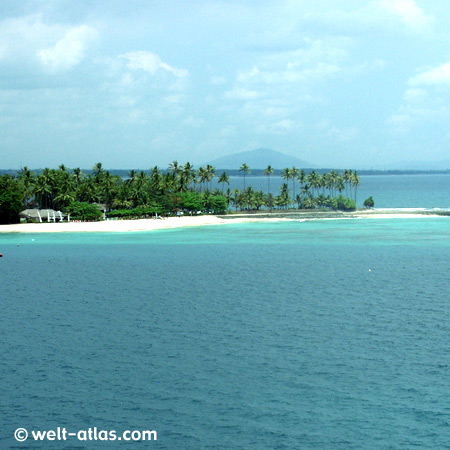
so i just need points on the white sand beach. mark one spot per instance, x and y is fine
(110, 226)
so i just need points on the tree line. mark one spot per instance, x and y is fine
(178, 188)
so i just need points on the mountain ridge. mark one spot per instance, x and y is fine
(260, 158)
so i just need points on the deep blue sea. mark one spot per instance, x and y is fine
(331, 334)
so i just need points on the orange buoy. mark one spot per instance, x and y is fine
(1, 255)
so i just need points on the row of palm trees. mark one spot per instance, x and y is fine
(332, 181)
(57, 188)
(250, 199)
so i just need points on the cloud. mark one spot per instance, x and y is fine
(173, 99)
(288, 74)
(29, 41)
(409, 13)
(337, 133)
(21, 36)
(150, 63)
(242, 94)
(276, 74)
(68, 51)
(370, 17)
(218, 80)
(420, 108)
(438, 76)
(286, 124)
(415, 95)
(193, 122)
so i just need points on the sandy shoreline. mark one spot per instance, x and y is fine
(111, 226)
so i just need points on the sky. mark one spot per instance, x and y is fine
(133, 84)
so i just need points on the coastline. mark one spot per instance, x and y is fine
(120, 226)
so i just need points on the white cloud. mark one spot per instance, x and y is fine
(242, 94)
(286, 124)
(68, 51)
(193, 122)
(174, 99)
(30, 40)
(415, 95)
(218, 80)
(127, 79)
(369, 17)
(19, 35)
(408, 12)
(399, 120)
(438, 76)
(228, 131)
(339, 134)
(320, 59)
(151, 63)
(420, 108)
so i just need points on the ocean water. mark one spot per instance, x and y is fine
(331, 334)
(388, 191)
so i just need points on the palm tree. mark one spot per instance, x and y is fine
(248, 197)
(334, 181)
(64, 198)
(258, 199)
(246, 170)
(188, 173)
(98, 170)
(283, 199)
(155, 181)
(237, 200)
(107, 186)
(42, 190)
(224, 178)
(28, 179)
(88, 189)
(228, 196)
(339, 184)
(355, 182)
(294, 174)
(175, 168)
(301, 177)
(268, 172)
(270, 201)
(140, 183)
(77, 176)
(210, 174)
(203, 176)
(346, 177)
(310, 203)
(131, 177)
(324, 182)
(314, 180)
(50, 178)
(286, 175)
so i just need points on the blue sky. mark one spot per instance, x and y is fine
(132, 84)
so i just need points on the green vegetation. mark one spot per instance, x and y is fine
(177, 190)
(12, 197)
(369, 202)
(83, 211)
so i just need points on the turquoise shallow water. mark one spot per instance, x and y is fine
(321, 334)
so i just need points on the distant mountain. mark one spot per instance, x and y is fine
(260, 159)
(416, 165)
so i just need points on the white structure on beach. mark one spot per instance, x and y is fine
(49, 215)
